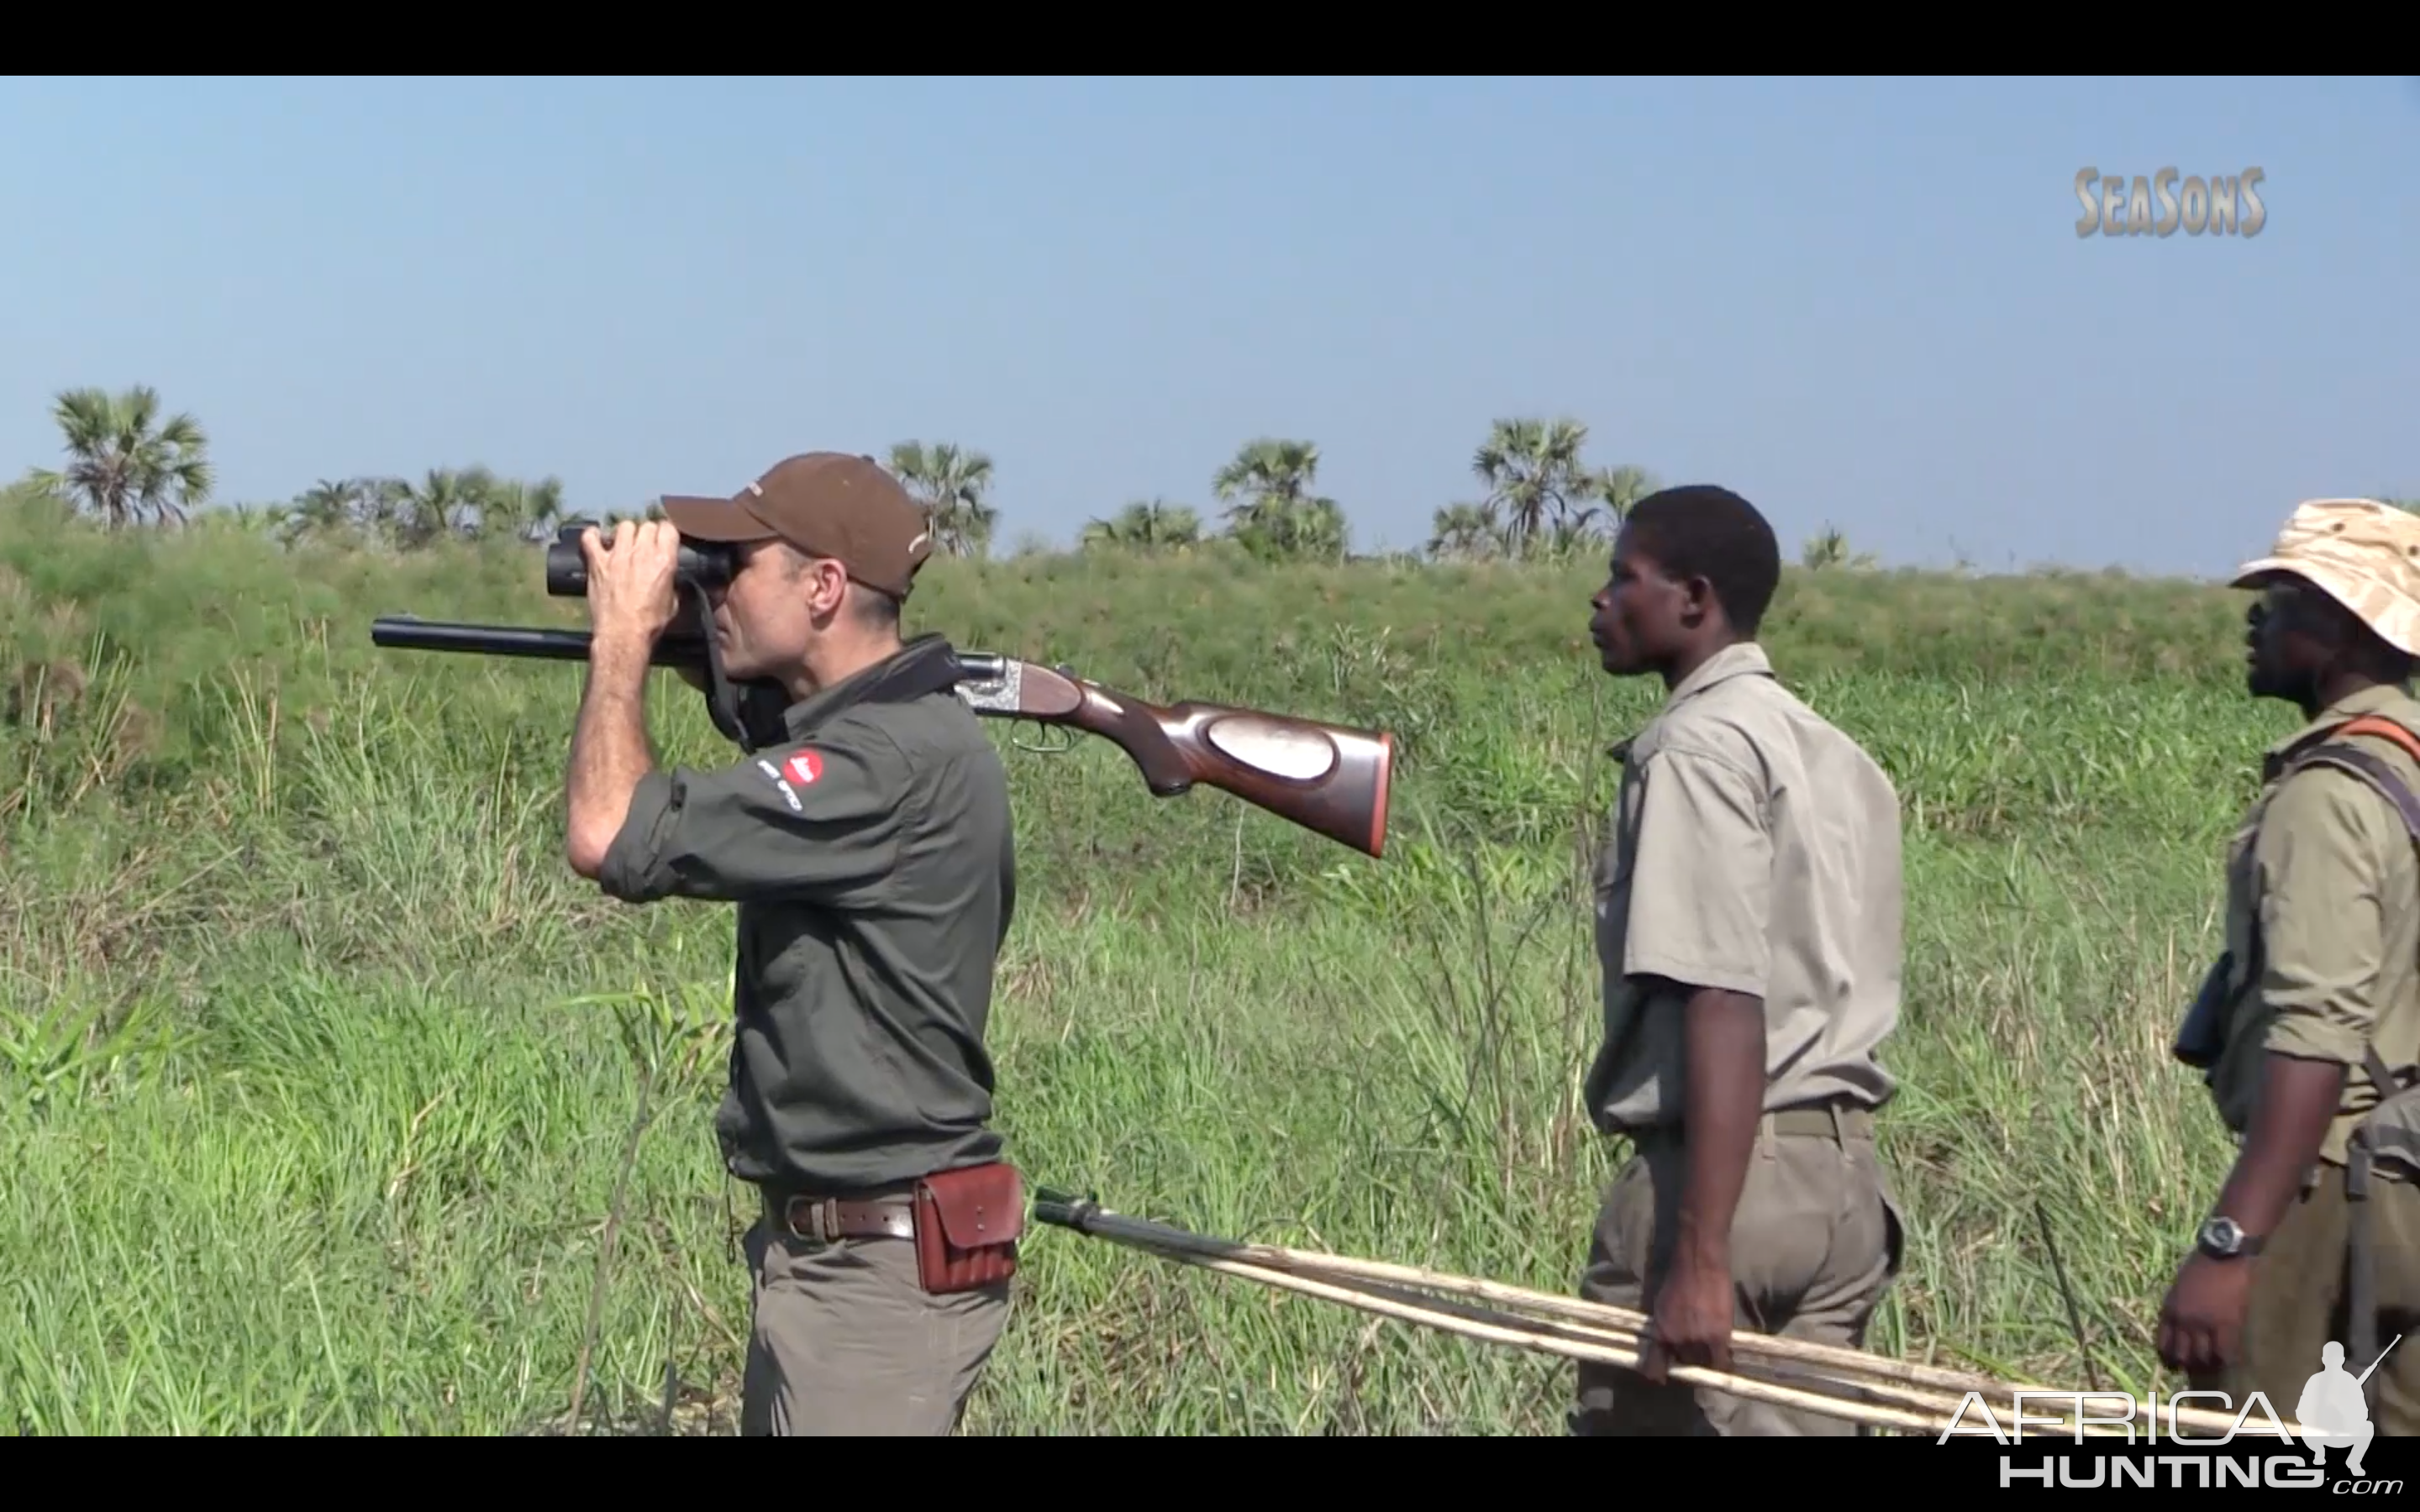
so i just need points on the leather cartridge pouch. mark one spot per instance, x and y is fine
(967, 1222)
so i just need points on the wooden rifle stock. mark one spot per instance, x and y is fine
(1332, 780)
(1328, 779)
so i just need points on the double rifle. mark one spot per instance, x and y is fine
(1332, 780)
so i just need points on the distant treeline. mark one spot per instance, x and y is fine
(131, 464)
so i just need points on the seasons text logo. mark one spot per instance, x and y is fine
(2162, 203)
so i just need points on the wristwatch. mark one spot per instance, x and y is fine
(2223, 1239)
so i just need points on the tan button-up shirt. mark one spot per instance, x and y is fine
(2323, 922)
(1754, 848)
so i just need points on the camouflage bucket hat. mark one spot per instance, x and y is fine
(2364, 554)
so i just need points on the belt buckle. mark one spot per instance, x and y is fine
(822, 1220)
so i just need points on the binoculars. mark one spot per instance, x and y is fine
(702, 563)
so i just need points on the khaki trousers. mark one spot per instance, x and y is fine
(845, 1341)
(1815, 1241)
(2300, 1284)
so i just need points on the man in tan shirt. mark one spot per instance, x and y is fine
(2317, 999)
(1748, 915)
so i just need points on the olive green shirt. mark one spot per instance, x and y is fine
(1756, 849)
(872, 859)
(2322, 924)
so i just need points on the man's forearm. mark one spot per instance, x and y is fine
(1725, 1055)
(609, 750)
(2298, 1101)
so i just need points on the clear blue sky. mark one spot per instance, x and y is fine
(1861, 302)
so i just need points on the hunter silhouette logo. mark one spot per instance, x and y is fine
(2332, 1411)
(804, 767)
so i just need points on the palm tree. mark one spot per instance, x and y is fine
(1155, 526)
(1318, 530)
(1466, 531)
(1534, 478)
(1619, 488)
(529, 511)
(441, 505)
(126, 461)
(1830, 549)
(1271, 510)
(377, 505)
(1542, 501)
(950, 482)
(328, 508)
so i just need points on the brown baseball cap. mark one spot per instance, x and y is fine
(830, 503)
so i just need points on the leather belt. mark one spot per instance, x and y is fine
(1840, 1120)
(821, 1219)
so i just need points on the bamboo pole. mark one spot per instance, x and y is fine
(1386, 1306)
(1580, 1329)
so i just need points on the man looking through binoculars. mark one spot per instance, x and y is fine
(869, 852)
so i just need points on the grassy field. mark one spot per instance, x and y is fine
(318, 1068)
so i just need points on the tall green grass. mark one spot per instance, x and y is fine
(318, 1071)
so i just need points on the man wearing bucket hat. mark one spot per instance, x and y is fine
(2308, 1028)
(868, 849)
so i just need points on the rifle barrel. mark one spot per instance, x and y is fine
(406, 632)
(674, 648)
